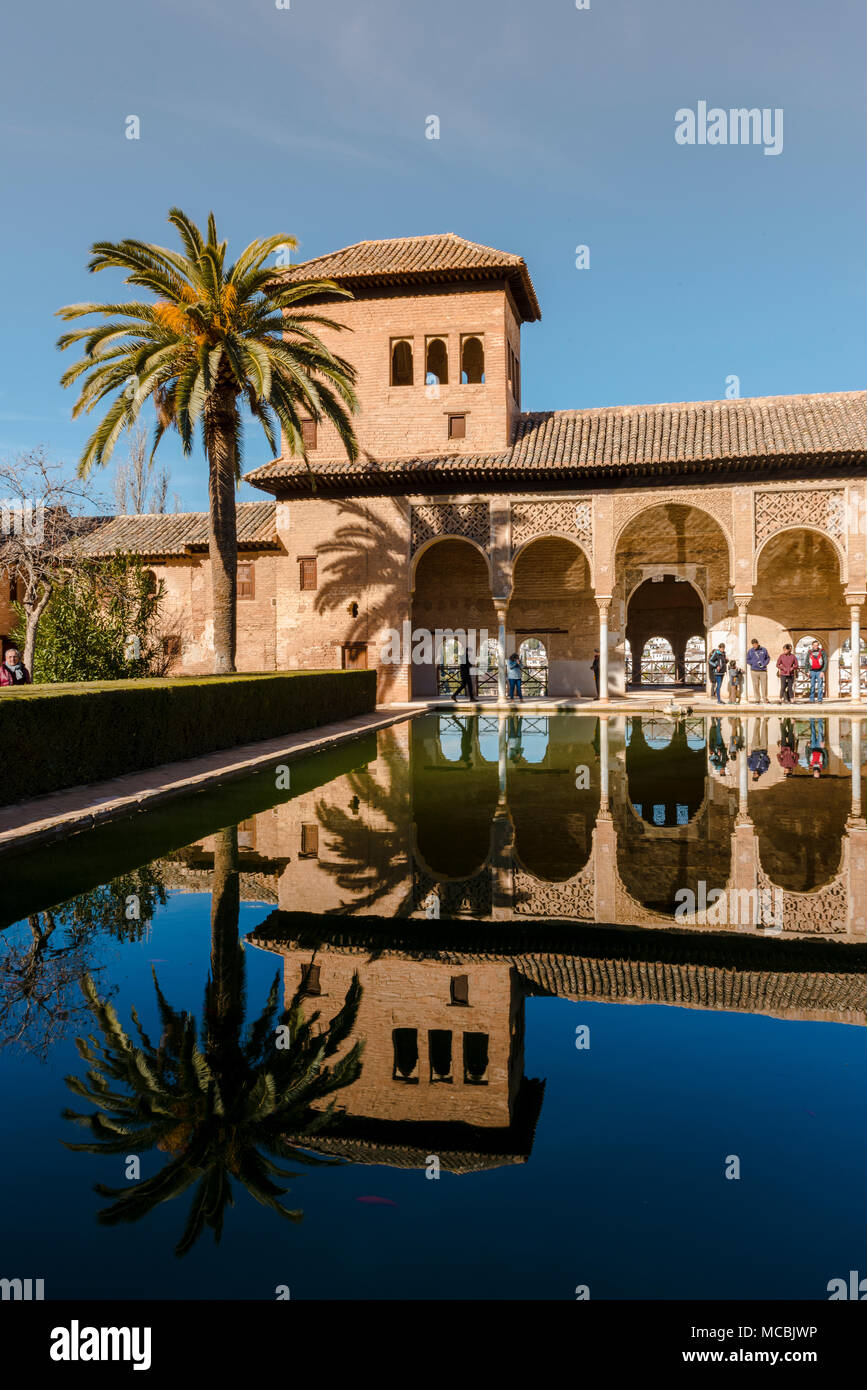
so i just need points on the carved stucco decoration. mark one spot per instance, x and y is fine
(434, 519)
(824, 913)
(822, 508)
(564, 518)
(466, 897)
(716, 503)
(575, 898)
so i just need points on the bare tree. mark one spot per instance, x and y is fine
(140, 486)
(41, 514)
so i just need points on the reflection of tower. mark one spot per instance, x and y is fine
(442, 1069)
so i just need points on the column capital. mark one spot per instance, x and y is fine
(742, 602)
(604, 605)
(855, 600)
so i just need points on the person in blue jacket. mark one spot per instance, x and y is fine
(758, 660)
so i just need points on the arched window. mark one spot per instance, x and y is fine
(846, 666)
(437, 364)
(657, 662)
(472, 361)
(802, 651)
(401, 363)
(695, 661)
(534, 662)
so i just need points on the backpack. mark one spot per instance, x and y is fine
(815, 661)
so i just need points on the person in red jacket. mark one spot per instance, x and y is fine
(787, 665)
(13, 671)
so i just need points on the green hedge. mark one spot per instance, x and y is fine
(67, 735)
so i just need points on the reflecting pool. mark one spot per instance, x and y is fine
(365, 1035)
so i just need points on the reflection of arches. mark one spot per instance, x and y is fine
(800, 838)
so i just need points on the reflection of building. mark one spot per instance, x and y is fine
(442, 1014)
(511, 819)
(443, 1051)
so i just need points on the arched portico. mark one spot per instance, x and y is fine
(552, 600)
(451, 592)
(673, 567)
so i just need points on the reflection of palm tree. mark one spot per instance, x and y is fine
(221, 1109)
(366, 875)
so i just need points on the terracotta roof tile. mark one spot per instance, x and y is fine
(690, 437)
(179, 532)
(409, 259)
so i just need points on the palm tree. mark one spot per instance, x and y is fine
(222, 1107)
(213, 340)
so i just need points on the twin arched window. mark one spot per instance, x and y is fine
(437, 361)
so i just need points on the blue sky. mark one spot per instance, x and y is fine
(557, 129)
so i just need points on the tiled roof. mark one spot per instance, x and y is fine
(408, 260)
(180, 532)
(693, 437)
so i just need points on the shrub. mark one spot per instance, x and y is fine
(65, 736)
(95, 619)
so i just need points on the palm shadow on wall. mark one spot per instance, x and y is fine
(365, 545)
(220, 1099)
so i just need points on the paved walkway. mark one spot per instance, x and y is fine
(48, 818)
(637, 703)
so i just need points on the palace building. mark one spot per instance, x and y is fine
(639, 530)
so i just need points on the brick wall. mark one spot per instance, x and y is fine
(401, 421)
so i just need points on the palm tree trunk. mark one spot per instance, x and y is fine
(220, 435)
(224, 998)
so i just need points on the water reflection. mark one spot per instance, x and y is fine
(220, 1100)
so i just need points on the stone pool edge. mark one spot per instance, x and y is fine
(57, 815)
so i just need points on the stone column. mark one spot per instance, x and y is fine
(603, 762)
(603, 604)
(743, 609)
(502, 747)
(500, 606)
(743, 781)
(856, 768)
(855, 645)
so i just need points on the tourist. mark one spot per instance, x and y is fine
(717, 666)
(736, 683)
(787, 665)
(817, 753)
(594, 667)
(716, 747)
(816, 666)
(515, 674)
(758, 761)
(736, 737)
(466, 678)
(758, 660)
(787, 756)
(13, 671)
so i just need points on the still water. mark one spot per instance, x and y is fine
(368, 1036)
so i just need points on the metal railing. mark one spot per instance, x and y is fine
(534, 680)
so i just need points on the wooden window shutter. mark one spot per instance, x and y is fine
(308, 572)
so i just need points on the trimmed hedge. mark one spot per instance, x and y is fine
(59, 736)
